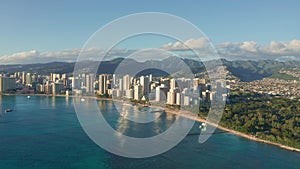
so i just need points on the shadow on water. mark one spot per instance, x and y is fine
(217, 132)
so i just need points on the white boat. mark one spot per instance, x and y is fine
(82, 99)
(203, 127)
(8, 110)
(28, 97)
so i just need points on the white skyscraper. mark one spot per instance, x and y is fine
(113, 81)
(23, 78)
(137, 92)
(161, 93)
(126, 86)
(178, 98)
(186, 100)
(150, 78)
(129, 94)
(171, 97)
(28, 79)
(126, 82)
(172, 84)
(121, 88)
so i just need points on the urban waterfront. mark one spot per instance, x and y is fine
(43, 132)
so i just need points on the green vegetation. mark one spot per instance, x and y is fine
(283, 76)
(9, 92)
(176, 107)
(245, 70)
(138, 101)
(104, 96)
(256, 70)
(269, 118)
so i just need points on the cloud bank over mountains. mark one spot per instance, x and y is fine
(251, 50)
(248, 50)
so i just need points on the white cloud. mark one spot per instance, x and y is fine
(60, 56)
(282, 48)
(240, 50)
(249, 46)
(249, 50)
(37, 57)
(199, 43)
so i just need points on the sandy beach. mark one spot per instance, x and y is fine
(191, 116)
(196, 118)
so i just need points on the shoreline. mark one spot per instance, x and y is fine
(188, 115)
(185, 114)
(237, 133)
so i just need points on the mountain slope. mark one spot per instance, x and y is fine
(244, 70)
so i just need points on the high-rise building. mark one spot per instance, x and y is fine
(161, 93)
(28, 79)
(103, 84)
(57, 88)
(138, 92)
(178, 98)
(40, 88)
(89, 83)
(208, 96)
(144, 81)
(16, 75)
(186, 100)
(126, 82)
(54, 77)
(113, 81)
(121, 88)
(129, 94)
(126, 86)
(7, 83)
(171, 97)
(19, 74)
(172, 84)
(34, 78)
(48, 88)
(24, 78)
(64, 77)
(150, 78)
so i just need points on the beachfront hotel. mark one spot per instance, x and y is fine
(7, 83)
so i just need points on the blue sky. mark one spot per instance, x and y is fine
(60, 25)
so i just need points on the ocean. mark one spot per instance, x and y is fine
(44, 133)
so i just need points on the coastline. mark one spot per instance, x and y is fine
(237, 133)
(188, 115)
(185, 114)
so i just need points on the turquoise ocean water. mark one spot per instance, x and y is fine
(44, 133)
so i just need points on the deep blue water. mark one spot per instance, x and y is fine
(44, 133)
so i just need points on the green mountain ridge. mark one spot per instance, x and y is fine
(244, 70)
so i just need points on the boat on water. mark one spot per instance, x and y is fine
(8, 110)
(28, 97)
(203, 127)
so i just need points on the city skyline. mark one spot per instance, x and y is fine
(149, 84)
